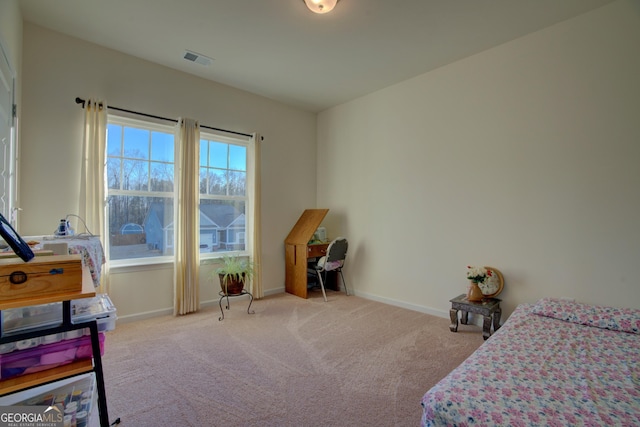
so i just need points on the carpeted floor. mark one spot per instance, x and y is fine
(295, 362)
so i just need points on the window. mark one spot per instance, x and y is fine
(140, 179)
(223, 193)
(140, 169)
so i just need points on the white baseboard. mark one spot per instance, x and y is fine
(476, 320)
(420, 308)
(145, 315)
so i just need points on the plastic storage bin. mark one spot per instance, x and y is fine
(37, 317)
(47, 356)
(76, 395)
(99, 308)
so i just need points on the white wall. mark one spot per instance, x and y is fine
(11, 32)
(11, 38)
(58, 68)
(524, 157)
(11, 35)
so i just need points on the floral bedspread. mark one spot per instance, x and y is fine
(553, 363)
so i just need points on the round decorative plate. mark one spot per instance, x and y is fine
(493, 285)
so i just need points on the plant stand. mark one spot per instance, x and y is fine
(223, 295)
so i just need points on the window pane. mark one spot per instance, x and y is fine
(136, 143)
(140, 227)
(114, 172)
(135, 176)
(161, 176)
(162, 147)
(204, 148)
(114, 140)
(222, 226)
(218, 155)
(217, 182)
(213, 181)
(237, 157)
(237, 183)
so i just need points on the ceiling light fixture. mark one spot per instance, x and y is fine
(321, 6)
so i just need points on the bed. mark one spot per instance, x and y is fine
(553, 363)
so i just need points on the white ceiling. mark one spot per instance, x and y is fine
(281, 50)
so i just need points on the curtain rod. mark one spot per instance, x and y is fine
(83, 102)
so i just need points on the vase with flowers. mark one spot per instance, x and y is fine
(477, 276)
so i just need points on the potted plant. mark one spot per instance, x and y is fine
(234, 273)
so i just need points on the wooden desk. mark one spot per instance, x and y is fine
(298, 251)
(317, 250)
(297, 259)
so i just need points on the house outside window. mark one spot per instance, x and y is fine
(140, 180)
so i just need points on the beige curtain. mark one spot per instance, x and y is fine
(92, 203)
(187, 218)
(256, 287)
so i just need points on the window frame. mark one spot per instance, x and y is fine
(247, 198)
(151, 126)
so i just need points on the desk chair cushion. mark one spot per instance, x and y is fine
(325, 265)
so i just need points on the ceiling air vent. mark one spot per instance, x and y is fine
(198, 58)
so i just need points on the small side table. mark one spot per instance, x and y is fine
(223, 296)
(489, 308)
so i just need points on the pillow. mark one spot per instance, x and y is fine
(615, 319)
